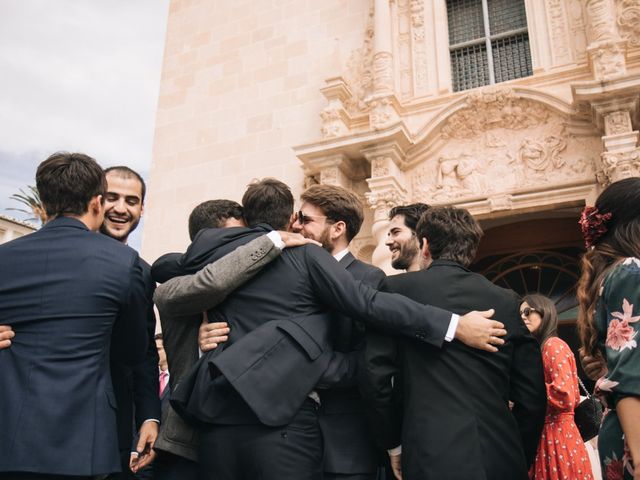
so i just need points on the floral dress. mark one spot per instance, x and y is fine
(618, 334)
(562, 454)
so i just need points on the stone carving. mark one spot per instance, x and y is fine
(404, 48)
(380, 167)
(608, 60)
(385, 198)
(309, 180)
(382, 113)
(509, 144)
(619, 165)
(359, 74)
(538, 156)
(578, 29)
(601, 21)
(559, 33)
(492, 108)
(629, 21)
(500, 202)
(382, 72)
(330, 176)
(419, 45)
(617, 123)
(458, 176)
(332, 124)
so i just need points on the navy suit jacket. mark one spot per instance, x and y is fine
(64, 289)
(291, 295)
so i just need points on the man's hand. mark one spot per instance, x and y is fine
(396, 465)
(144, 454)
(6, 334)
(211, 334)
(295, 239)
(477, 330)
(594, 367)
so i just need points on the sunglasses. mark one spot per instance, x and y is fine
(303, 218)
(526, 311)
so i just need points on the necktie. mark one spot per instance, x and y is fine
(164, 377)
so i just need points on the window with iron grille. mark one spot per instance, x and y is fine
(488, 42)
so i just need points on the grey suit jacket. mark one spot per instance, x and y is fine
(181, 302)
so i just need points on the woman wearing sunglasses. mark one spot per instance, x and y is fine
(561, 452)
(609, 319)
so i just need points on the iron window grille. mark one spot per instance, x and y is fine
(488, 42)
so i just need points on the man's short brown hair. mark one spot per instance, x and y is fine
(338, 204)
(453, 234)
(268, 201)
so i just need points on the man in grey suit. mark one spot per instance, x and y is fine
(177, 443)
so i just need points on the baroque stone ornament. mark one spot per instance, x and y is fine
(617, 122)
(629, 21)
(559, 31)
(608, 60)
(380, 167)
(385, 198)
(500, 144)
(601, 21)
(382, 113)
(492, 108)
(332, 124)
(359, 74)
(619, 165)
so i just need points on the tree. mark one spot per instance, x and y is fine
(32, 201)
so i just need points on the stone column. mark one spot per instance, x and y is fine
(387, 190)
(606, 50)
(335, 119)
(621, 156)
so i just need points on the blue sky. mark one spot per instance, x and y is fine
(77, 76)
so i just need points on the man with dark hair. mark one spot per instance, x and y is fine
(454, 419)
(262, 422)
(58, 411)
(136, 388)
(215, 214)
(401, 239)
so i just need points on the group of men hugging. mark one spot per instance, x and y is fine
(289, 358)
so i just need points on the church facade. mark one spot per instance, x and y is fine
(519, 110)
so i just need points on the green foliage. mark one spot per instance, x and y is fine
(31, 200)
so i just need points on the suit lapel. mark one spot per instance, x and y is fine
(347, 260)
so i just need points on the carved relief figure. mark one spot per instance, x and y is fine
(539, 156)
(459, 175)
(629, 21)
(359, 74)
(617, 123)
(608, 61)
(332, 125)
(601, 22)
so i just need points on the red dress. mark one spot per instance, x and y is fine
(561, 452)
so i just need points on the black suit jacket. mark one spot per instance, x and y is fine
(136, 387)
(303, 282)
(64, 289)
(457, 423)
(348, 441)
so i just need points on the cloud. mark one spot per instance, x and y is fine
(78, 76)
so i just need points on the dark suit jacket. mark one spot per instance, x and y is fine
(136, 387)
(302, 282)
(64, 289)
(457, 423)
(348, 440)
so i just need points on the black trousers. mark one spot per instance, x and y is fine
(350, 476)
(258, 452)
(168, 466)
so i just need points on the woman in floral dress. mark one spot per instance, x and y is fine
(561, 452)
(609, 320)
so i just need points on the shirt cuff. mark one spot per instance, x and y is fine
(275, 237)
(394, 452)
(453, 326)
(151, 420)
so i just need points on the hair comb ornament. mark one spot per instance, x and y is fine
(593, 225)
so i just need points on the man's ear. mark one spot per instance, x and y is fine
(339, 229)
(96, 205)
(426, 253)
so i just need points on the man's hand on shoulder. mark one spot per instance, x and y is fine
(594, 367)
(295, 239)
(477, 330)
(6, 334)
(211, 334)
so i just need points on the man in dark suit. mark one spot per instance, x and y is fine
(63, 314)
(260, 436)
(401, 237)
(454, 419)
(135, 387)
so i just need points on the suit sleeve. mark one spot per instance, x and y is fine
(191, 294)
(146, 384)
(130, 337)
(337, 289)
(527, 388)
(166, 267)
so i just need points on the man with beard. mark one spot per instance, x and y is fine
(136, 388)
(66, 291)
(401, 239)
(259, 403)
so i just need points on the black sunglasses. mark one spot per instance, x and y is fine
(526, 311)
(302, 218)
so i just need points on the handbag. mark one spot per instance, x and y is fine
(588, 415)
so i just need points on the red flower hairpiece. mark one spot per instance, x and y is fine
(593, 225)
